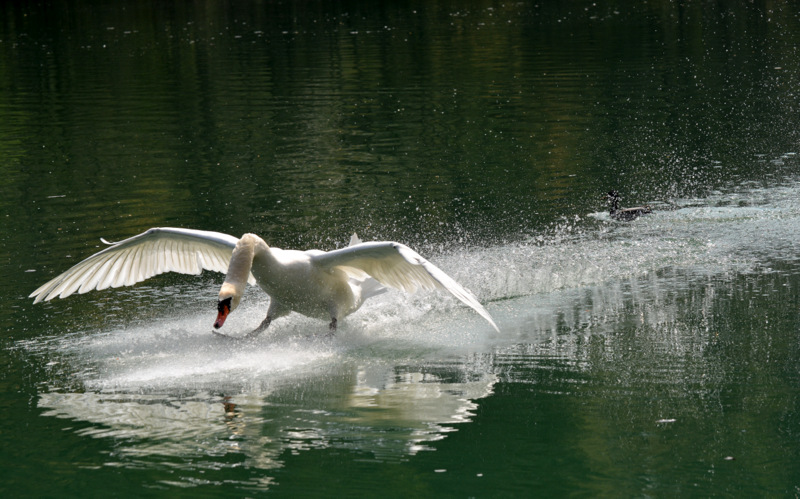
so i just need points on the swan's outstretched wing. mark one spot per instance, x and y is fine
(152, 252)
(398, 266)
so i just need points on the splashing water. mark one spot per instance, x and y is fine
(728, 232)
(415, 362)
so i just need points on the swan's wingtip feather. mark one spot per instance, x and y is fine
(485, 314)
(395, 264)
(38, 292)
(139, 257)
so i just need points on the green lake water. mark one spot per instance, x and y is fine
(656, 358)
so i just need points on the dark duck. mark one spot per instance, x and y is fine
(624, 214)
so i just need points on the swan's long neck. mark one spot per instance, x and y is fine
(239, 268)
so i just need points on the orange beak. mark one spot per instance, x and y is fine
(223, 309)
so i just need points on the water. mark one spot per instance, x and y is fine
(653, 358)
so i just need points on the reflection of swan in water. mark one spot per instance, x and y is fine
(414, 405)
(322, 284)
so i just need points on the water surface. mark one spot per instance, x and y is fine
(658, 357)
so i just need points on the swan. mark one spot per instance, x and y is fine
(323, 284)
(624, 214)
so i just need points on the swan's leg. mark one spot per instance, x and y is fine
(332, 327)
(252, 334)
(274, 311)
(333, 309)
(261, 327)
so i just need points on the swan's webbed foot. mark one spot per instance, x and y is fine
(249, 336)
(261, 327)
(223, 335)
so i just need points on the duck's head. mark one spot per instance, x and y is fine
(229, 298)
(613, 199)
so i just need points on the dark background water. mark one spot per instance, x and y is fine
(655, 358)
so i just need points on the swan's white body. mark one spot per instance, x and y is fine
(326, 285)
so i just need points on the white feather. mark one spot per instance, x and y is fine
(397, 265)
(140, 257)
(315, 283)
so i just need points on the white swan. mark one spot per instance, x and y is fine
(326, 285)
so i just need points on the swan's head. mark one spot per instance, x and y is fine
(229, 298)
